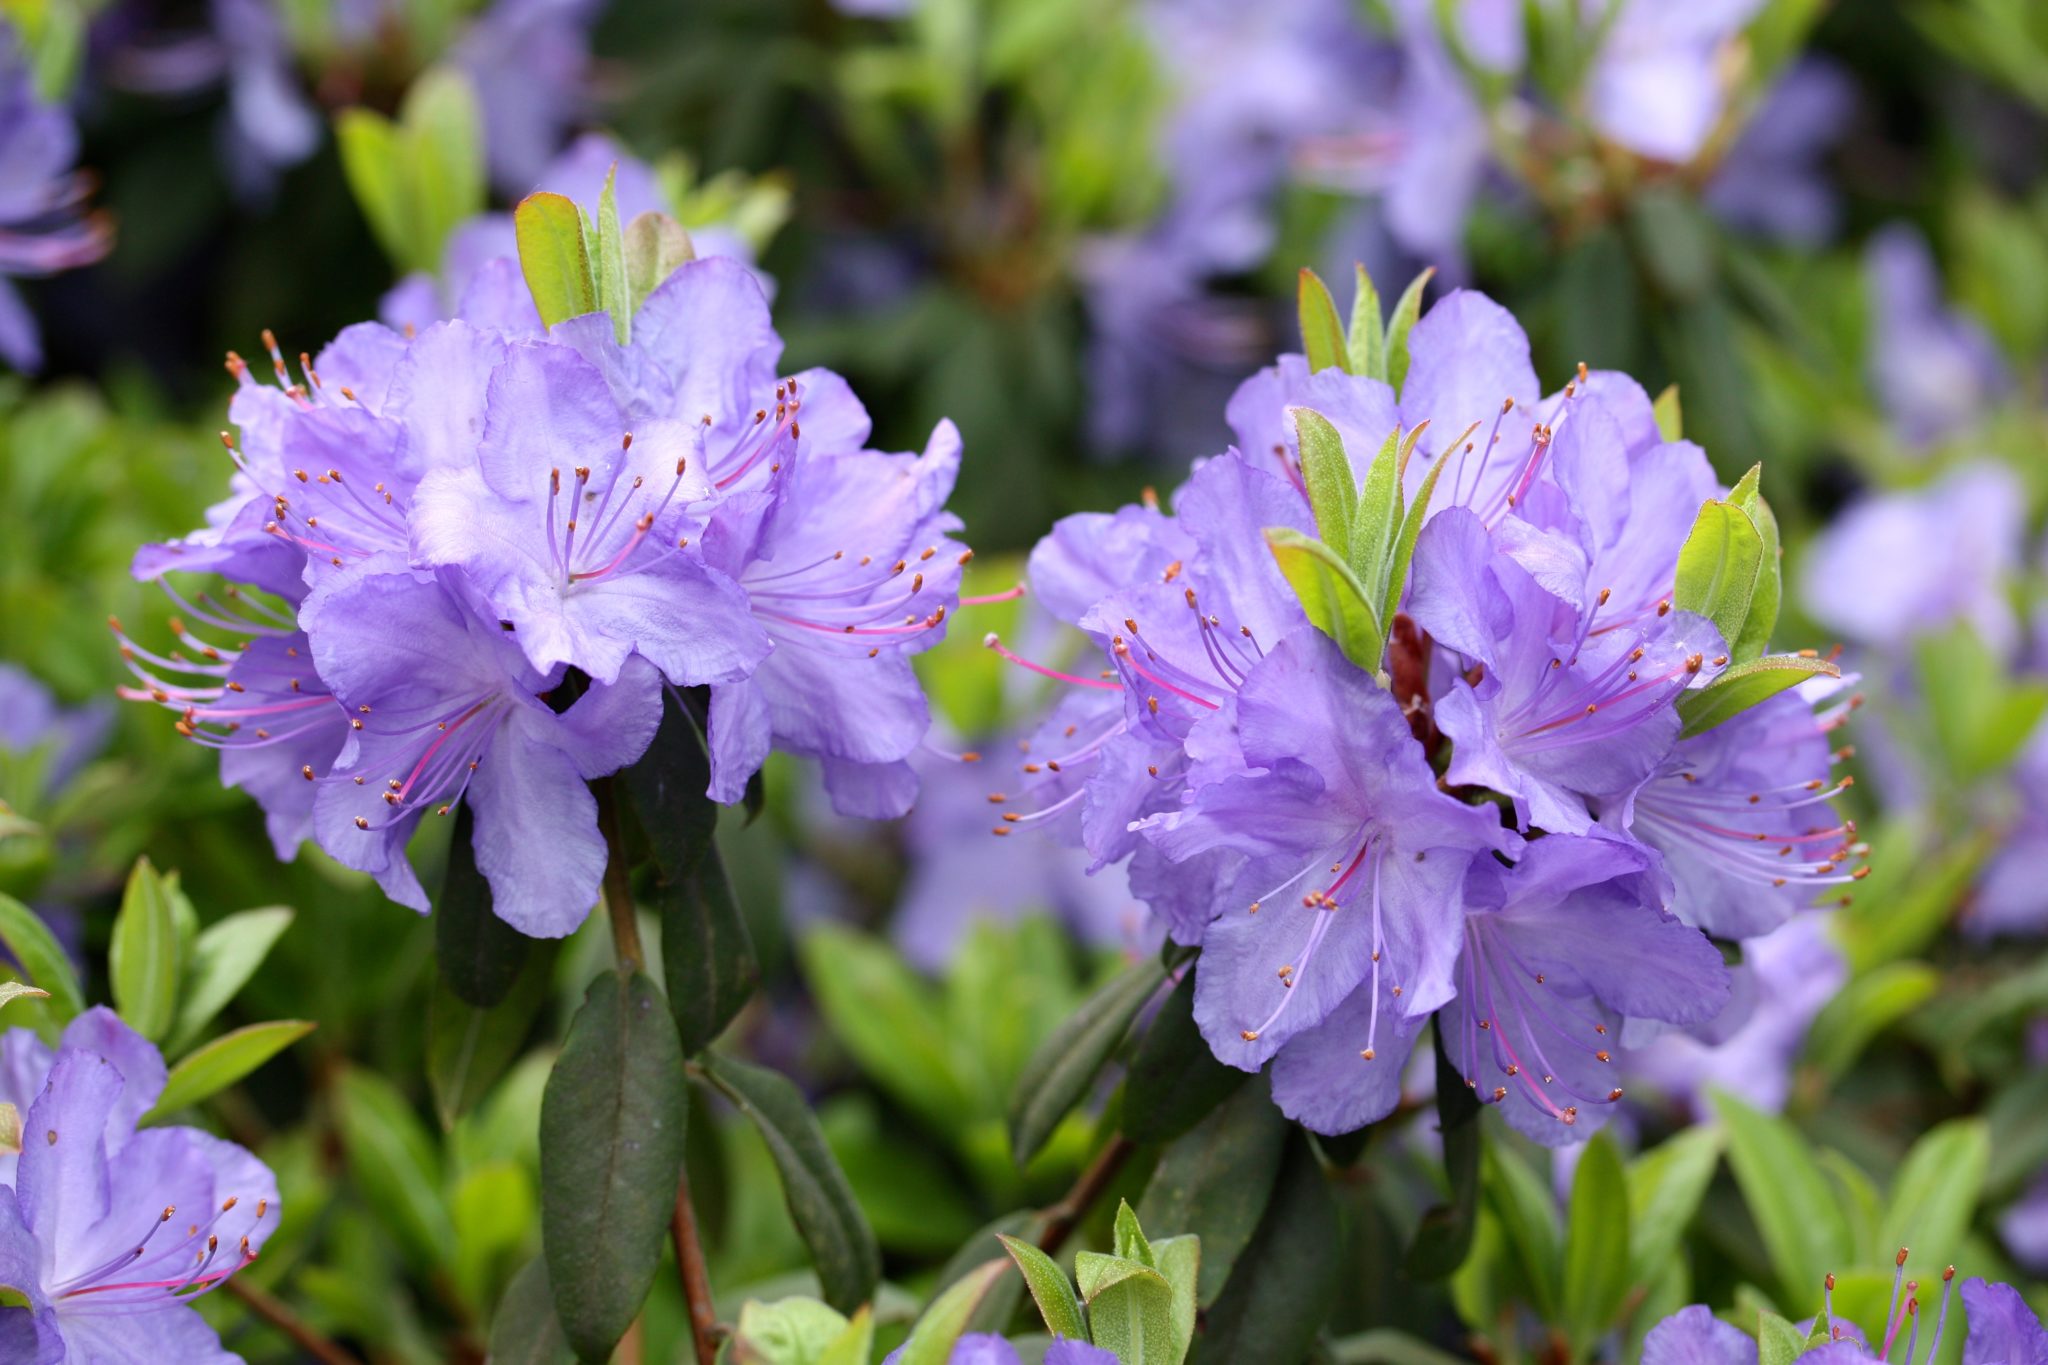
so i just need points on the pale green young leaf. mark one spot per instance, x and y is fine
(1596, 1244)
(554, 257)
(1744, 685)
(1670, 418)
(1367, 343)
(1180, 1261)
(225, 955)
(656, 246)
(227, 1059)
(1797, 1212)
(1411, 529)
(1935, 1193)
(1330, 594)
(1376, 521)
(1406, 310)
(143, 959)
(1665, 1186)
(11, 991)
(1322, 330)
(1718, 567)
(442, 139)
(1326, 474)
(612, 291)
(1050, 1290)
(374, 163)
(932, 1339)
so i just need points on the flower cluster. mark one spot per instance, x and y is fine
(108, 1230)
(480, 549)
(1516, 812)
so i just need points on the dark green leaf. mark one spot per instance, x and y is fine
(469, 1048)
(1217, 1180)
(1322, 330)
(554, 257)
(1286, 1282)
(144, 960)
(667, 787)
(1596, 1241)
(821, 1204)
(1445, 1234)
(1174, 1079)
(611, 1152)
(30, 943)
(524, 1330)
(1066, 1064)
(479, 955)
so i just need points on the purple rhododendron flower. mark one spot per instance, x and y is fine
(1934, 370)
(2003, 1330)
(108, 1231)
(978, 1348)
(1694, 1336)
(42, 229)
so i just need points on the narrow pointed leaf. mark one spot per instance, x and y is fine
(1406, 311)
(1796, 1209)
(1367, 345)
(222, 1062)
(841, 1243)
(612, 293)
(443, 143)
(144, 959)
(1330, 595)
(1411, 531)
(1066, 1064)
(1596, 1260)
(1050, 1290)
(1756, 631)
(1287, 1281)
(395, 1165)
(1718, 567)
(30, 943)
(1376, 523)
(1934, 1193)
(1326, 473)
(554, 257)
(469, 1048)
(611, 1152)
(1744, 685)
(224, 956)
(1322, 330)
(11, 991)
(932, 1339)
(524, 1331)
(1665, 1186)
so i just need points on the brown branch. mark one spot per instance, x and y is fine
(1062, 1218)
(696, 1279)
(275, 1312)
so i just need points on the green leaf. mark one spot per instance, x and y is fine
(1670, 417)
(1217, 1180)
(1174, 1079)
(1982, 713)
(494, 1212)
(827, 1216)
(1376, 522)
(1127, 1237)
(1596, 1243)
(11, 991)
(395, 1166)
(655, 248)
(1367, 345)
(1130, 1309)
(1796, 1211)
(1065, 1065)
(887, 1018)
(374, 160)
(1411, 527)
(30, 943)
(932, 1339)
(220, 1063)
(1763, 604)
(1718, 567)
(1445, 1234)
(554, 257)
(791, 1331)
(1665, 1186)
(1286, 1282)
(444, 136)
(1386, 1346)
(612, 292)
(1406, 310)
(224, 956)
(1322, 331)
(1744, 685)
(612, 1127)
(1055, 1297)
(478, 954)
(144, 958)
(853, 1346)
(1526, 1209)
(1180, 1261)
(1778, 1342)
(469, 1048)
(1934, 1195)
(667, 786)
(524, 1330)
(1330, 594)
(1674, 239)
(1864, 1008)
(1326, 473)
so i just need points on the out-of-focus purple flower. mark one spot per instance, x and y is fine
(271, 125)
(1934, 370)
(2024, 1228)
(1694, 1336)
(528, 61)
(1740, 816)
(109, 1232)
(42, 227)
(31, 720)
(1659, 84)
(1897, 565)
(2012, 893)
(1771, 181)
(1785, 978)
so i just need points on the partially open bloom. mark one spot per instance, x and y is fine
(108, 1231)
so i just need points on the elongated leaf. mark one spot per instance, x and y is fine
(841, 1243)
(1066, 1063)
(11, 991)
(1744, 685)
(554, 257)
(1367, 344)
(1596, 1243)
(1376, 523)
(1796, 1211)
(1180, 1261)
(1526, 1208)
(1050, 1290)
(224, 956)
(443, 142)
(853, 1346)
(1127, 1236)
(1287, 1280)
(1665, 1186)
(1402, 321)
(1670, 419)
(144, 960)
(656, 247)
(524, 1331)
(469, 1048)
(373, 158)
(1444, 1236)
(1217, 1180)
(1935, 1193)
(1322, 331)
(1385, 1346)
(611, 1153)
(1174, 1080)
(478, 954)
(667, 787)
(30, 943)
(1718, 567)
(939, 1328)
(1763, 604)
(1326, 473)
(224, 1061)
(1411, 530)
(612, 293)
(395, 1165)
(1330, 594)
(1864, 1008)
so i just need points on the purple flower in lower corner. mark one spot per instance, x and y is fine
(2002, 1330)
(108, 1232)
